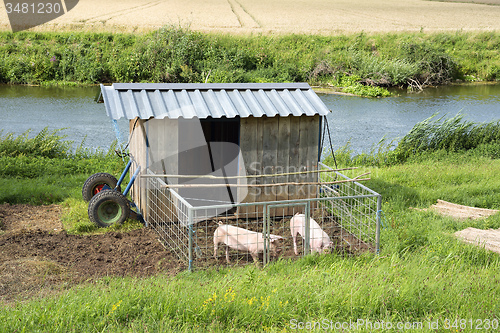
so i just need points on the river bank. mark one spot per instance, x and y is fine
(360, 64)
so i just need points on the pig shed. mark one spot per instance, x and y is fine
(234, 152)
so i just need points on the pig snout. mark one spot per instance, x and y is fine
(243, 240)
(275, 248)
(318, 239)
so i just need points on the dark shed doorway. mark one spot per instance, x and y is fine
(214, 153)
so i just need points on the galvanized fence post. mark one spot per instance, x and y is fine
(190, 242)
(377, 232)
(307, 229)
(265, 256)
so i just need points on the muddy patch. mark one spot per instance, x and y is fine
(38, 258)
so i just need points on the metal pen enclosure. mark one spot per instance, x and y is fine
(348, 212)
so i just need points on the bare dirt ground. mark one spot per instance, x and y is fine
(277, 16)
(38, 258)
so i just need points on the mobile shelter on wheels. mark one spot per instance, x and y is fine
(243, 154)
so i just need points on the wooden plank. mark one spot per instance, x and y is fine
(312, 153)
(194, 159)
(283, 160)
(131, 146)
(143, 160)
(133, 149)
(294, 160)
(253, 163)
(153, 200)
(257, 165)
(248, 148)
(270, 154)
(356, 179)
(257, 176)
(303, 154)
(136, 148)
(170, 143)
(259, 142)
(167, 155)
(155, 133)
(269, 157)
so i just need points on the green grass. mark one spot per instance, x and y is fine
(45, 169)
(431, 138)
(359, 63)
(436, 284)
(75, 219)
(422, 275)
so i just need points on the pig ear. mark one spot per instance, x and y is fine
(275, 237)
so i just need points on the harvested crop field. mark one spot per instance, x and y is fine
(39, 258)
(277, 16)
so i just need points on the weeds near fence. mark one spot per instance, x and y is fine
(324, 289)
(44, 144)
(452, 134)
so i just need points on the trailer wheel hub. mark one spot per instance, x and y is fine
(109, 212)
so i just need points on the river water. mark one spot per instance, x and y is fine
(361, 121)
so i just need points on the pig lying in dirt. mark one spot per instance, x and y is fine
(318, 240)
(243, 240)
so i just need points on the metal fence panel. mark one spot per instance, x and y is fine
(347, 213)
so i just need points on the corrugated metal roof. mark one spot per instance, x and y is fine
(216, 100)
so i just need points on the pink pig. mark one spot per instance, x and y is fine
(318, 239)
(243, 240)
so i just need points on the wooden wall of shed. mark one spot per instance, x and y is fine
(153, 145)
(279, 145)
(268, 145)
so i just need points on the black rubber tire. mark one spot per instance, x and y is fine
(92, 184)
(108, 207)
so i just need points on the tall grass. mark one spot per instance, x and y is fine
(432, 136)
(177, 55)
(45, 169)
(441, 286)
(452, 134)
(44, 144)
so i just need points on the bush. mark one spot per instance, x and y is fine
(45, 169)
(453, 134)
(430, 136)
(173, 54)
(45, 144)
